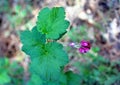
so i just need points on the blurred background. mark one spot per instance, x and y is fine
(97, 21)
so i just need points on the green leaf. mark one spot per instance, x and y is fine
(35, 80)
(46, 58)
(72, 78)
(4, 78)
(47, 65)
(112, 79)
(52, 23)
(63, 79)
(32, 41)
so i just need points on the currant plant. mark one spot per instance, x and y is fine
(48, 57)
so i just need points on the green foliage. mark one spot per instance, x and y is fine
(51, 22)
(44, 55)
(35, 80)
(31, 41)
(113, 79)
(4, 77)
(16, 73)
(48, 57)
(10, 73)
(97, 70)
(72, 79)
(93, 68)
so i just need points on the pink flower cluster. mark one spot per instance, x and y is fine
(84, 46)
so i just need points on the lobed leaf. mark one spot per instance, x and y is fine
(46, 58)
(52, 23)
(32, 41)
(35, 80)
(48, 64)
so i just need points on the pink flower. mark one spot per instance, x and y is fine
(85, 46)
(72, 44)
(85, 43)
(83, 50)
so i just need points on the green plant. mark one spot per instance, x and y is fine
(4, 77)
(97, 70)
(48, 57)
(10, 73)
(93, 68)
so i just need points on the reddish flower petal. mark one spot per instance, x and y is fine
(83, 50)
(85, 44)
